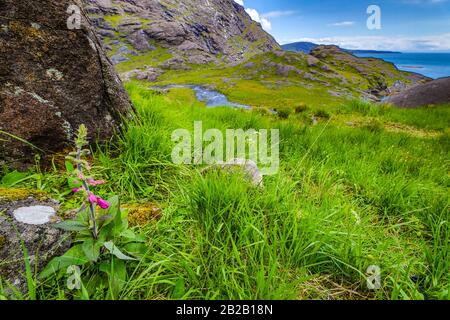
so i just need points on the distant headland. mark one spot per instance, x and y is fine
(307, 47)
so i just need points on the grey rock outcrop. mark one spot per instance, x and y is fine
(435, 92)
(29, 221)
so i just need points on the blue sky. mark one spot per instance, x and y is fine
(406, 25)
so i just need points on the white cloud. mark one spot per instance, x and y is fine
(343, 24)
(254, 14)
(439, 42)
(278, 14)
(241, 2)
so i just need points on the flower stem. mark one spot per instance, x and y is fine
(86, 187)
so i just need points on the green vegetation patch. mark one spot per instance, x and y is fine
(345, 198)
(152, 59)
(15, 194)
(116, 20)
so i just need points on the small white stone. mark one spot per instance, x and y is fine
(34, 215)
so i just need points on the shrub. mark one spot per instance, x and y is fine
(360, 106)
(300, 108)
(263, 111)
(284, 113)
(384, 108)
(374, 125)
(322, 114)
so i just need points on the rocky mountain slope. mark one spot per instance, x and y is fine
(173, 41)
(380, 78)
(175, 33)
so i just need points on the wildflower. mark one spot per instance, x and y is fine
(92, 198)
(76, 190)
(102, 203)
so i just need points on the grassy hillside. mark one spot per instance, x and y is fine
(286, 80)
(366, 185)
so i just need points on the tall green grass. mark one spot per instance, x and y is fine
(345, 198)
(430, 118)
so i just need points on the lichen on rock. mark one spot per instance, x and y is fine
(34, 215)
(53, 79)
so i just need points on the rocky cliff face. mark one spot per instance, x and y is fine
(52, 79)
(175, 33)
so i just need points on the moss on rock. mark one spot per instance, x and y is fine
(142, 214)
(16, 194)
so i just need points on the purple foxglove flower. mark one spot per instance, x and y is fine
(102, 203)
(92, 198)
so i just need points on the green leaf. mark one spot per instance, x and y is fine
(119, 223)
(115, 212)
(69, 167)
(73, 257)
(29, 274)
(105, 266)
(179, 290)
(91, 249)
(83, 215)
(13, 178)
(106, 217)
(136, 249)
(130, 235)
(113, 205)
(112, 248)
(71, 225)
(118, 277)
(95, 281)
(74, 183)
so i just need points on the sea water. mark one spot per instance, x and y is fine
(433, 65)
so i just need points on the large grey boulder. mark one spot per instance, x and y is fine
(52, 79)
(435, 92)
